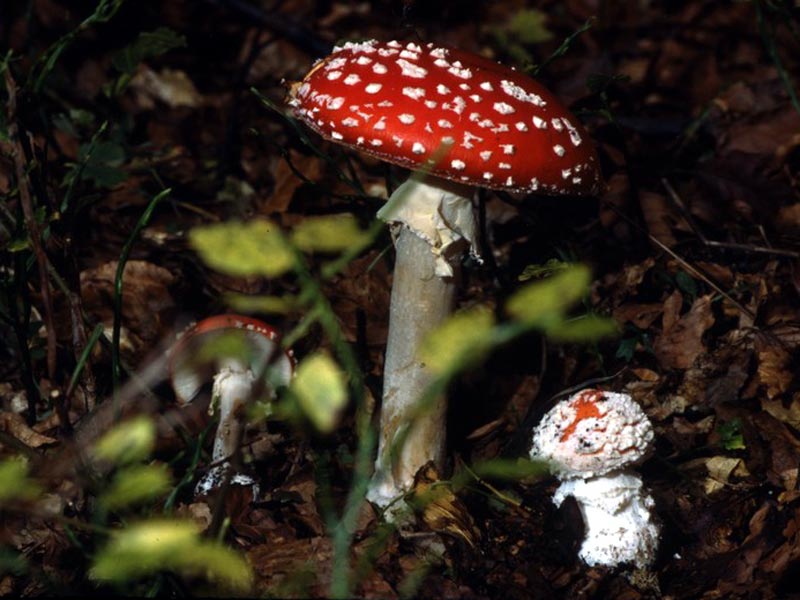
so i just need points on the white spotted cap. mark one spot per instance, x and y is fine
(457, 114)
(593, 433)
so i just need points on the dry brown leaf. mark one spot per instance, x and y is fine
(198, 512)
(647, 375)
(720, 469)
(363, 291)
(681, 340)
(672, 310)
(305, 487)
(641, 315)
(170, 86)
(785, 451)
(659, 215)
(287, 181)
(765, 134)
(441, 510)
(789, 414)
(788, 218)
(146, 299)
(616, 288)
(15, 425)
(772, 369)
(282, 562)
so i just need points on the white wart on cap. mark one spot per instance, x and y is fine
(458, 114)
(592, 433)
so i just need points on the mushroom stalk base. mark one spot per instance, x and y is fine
(618, 516)
(420, 301)
(232, 390)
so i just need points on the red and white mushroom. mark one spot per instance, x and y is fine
(460, 121)
(592, 439)
(243, 358)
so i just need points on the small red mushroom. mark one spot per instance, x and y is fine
(243, 357)
(461, 121)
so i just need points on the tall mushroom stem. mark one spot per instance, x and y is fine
(231, 392)
(423, 295)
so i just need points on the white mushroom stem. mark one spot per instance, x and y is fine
(435, 219)
(231, 392)
(618, 519)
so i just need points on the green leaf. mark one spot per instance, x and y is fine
(731, 436)
(14, 481)
(278, 305)
(12, 562)
(128, 442)
(161, 545)
(320, 389)
(539, 271)
(511, 469)
(687, 284)
(136, 485)
(100, 162)
(329, 233)
(586, 328)
(543, 303)
(147, 45)
(530, 26)
(255, 248)
(462, 339)
(626, 348)
(18, 245)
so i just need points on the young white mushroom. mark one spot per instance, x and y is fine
(242, 354)
(591, 440)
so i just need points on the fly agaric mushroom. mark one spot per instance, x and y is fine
(592, 439)
(243, 357)
(461, 121)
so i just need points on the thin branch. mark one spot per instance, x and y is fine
(678, 202)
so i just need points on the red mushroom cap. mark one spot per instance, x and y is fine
(458, 114)
(189, 369)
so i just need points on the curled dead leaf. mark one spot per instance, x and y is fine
(16, 426)
(720, 469)
(773, 373)
(440, 509)
(170, 86)
(146, 299)
(681, 340)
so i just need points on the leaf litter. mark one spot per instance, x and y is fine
(703, 283)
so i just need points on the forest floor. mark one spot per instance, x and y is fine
(693, 247)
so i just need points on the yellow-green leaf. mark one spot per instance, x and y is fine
(135, 485)
(544, 303)
(130, 441)
(461, 340)
(279, 305)
(162, 545)
(14, 481)
(257, 247)
(530, 26)
(512, 469)
(329, 233)
(319, 386)
(583, 329)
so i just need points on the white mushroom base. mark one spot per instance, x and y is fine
(233, 387)
(618, 517)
